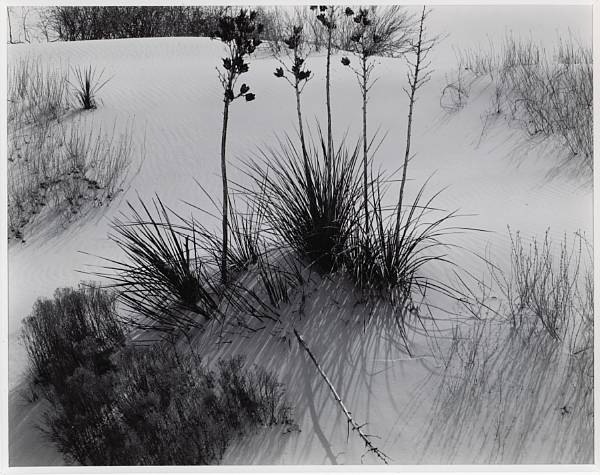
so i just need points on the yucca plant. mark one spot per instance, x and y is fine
(88, 84)
(165, 278)
(245, 226)
(388, 262)
(316, 214)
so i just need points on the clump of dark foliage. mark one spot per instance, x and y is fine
(73, 327)
(112, 403)
(310, 208)
(72, 23)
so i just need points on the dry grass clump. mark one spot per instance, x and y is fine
(539, 286)
(57, 168)
(548, 94)
(36, 95)
(63, 170)
(524, 370)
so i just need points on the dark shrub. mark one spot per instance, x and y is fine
(71, 23)
(78, 327)
(157, 407)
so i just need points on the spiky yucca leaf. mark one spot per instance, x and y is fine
(311, 209)
(164, 277)
(88, 84)
(390, 259)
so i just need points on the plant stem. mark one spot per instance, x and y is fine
(225, 189)
(365, 146)
(414, 85)
(301, 126)
(328, 89)
(9, 26)
(338, 399)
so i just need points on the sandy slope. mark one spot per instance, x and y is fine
(168, 91)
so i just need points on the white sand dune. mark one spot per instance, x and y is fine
(168, 91)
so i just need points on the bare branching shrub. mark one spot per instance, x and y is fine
(523, 370)
(547, 283)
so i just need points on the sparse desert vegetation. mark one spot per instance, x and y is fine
(525, 363)
(547, 93)
(58, 167)
(320, 296)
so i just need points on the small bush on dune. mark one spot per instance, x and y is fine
(111, 403)
(157, 407)
(541, 364)
(314, 215)
(74, 327)
(507, 386)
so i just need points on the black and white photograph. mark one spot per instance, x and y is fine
(290, 235)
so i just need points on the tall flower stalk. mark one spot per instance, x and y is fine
(240, 34)
(296, 75)
(377, 32)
